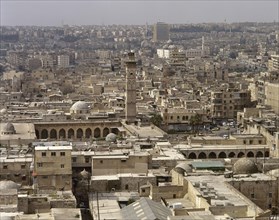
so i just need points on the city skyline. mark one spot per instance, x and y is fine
(57, 13)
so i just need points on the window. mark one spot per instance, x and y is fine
(123, 160)
(86, 159)
(23, 166)
(270, 195)
(252, 195)
(74, 159)
(43, 154)
(251, 142)
(5, 167)
(174, 196)
(126, 186)
(62, 166)
(62, 154)
(23, 178)
(244, 142)
(171, 117)
(101, 161)
(45, 177)
(53, 154)
(40, 164)
(260, 141)
(143, 190)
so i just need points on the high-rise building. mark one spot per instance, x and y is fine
(161, 32)
(131, 93)
(63, 61)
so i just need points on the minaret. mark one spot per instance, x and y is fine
(131, 95)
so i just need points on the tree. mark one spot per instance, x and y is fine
(156, 119)
(195, 120)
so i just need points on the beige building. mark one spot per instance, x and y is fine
(112, 164)
(227, 102)
(53, 167)
(272, 96)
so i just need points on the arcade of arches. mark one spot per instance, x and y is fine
(77, 131)
(225, 154)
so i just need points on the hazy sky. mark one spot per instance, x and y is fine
(90, 12)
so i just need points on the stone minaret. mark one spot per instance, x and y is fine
(131, 95)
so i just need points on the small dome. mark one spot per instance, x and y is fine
(182, 168)
(245, 166)
(80, 105)
(274, 173)
(84, 174)
(111, 137)
(3, 111)
(8, 184)
(8, 128)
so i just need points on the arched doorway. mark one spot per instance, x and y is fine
(97, 133)
(222, 155)
(250, 154)
(202, 155)
(240, 154)
(88, 133)
(44, 134)
(212, 155)
(79, 133)
(53, 134)
(192, 156)
(62, 134)
(105, 132)
(71, 133)
(266, 154)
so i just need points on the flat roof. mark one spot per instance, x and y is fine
(44, 148)
(207, 164)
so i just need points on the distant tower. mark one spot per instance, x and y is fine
(202, 43)
(131, 93)
(161, 32)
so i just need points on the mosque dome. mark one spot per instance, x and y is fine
(80, 105)
(245, 166)
(111, 137)
(8, 184)
(182, 168)
(8, 129)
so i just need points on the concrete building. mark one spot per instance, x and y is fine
(53, 167)
(272, 96)
(161, 32)
(63, 61)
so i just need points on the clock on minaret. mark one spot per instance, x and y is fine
(131, 95)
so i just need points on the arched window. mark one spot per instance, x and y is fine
(53, 134)
(62, 133)
(88, 133)
(71, 133)
(202, 155)
(222, 155)
(231, 155)
(79, 133)
(192, 156)
(212, 155)
(44, 134)
(259, 154)
(250, 154)
(105, 132)
(97, 133)
(240, 154)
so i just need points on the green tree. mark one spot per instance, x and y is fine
(195, 121)
(156, 119)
